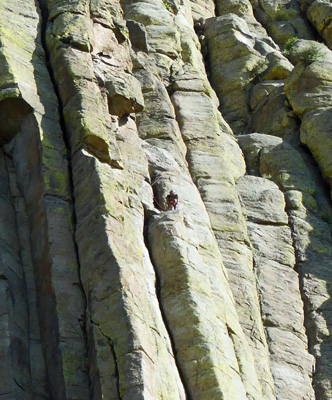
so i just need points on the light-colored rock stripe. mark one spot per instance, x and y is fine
(207, 160)
(199, 309)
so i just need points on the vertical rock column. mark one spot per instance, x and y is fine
(30, 124)
(37, 371)
(15, 381)
(194, 292)
(308, 89)
(308, 208)
(207, 137)
(278, 286)
(130, 354)
(215, 162)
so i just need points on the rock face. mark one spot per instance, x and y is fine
(107, 105)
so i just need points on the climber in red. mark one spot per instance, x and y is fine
(172, 200)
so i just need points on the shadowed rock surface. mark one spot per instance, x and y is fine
(107, 105)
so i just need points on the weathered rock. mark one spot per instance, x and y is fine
(268, 99)
(317, 135)
(189, 100)
(240, 53)
(282, 19)
(184, 274)
(105, 294)
(312, 81)
(308, 87)
(125, 95)
(280, 300)
(202, 9)
(137, 34)
(39, 160)
(307, 51)
(16, 381)
(262, 202)
(320, 15)
(308, 210)
(114, 279)
(227, 222)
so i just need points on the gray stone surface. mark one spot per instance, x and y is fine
(277, 284)
(309, 210)
(320, 15)
(107, 105)
(240, 55)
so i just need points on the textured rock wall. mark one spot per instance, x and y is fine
(105, 106)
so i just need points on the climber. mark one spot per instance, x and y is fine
(172, 200)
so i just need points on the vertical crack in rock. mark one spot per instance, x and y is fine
(97, 100)
(44, 13)
(112, 351)
(158, 126)
(306, 314)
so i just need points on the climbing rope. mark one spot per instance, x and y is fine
(153, 183)
(162, 208)
(158, 179)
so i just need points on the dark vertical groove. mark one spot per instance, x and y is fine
(307, 322)
(116, 367)
(199, 28)
(6, 156)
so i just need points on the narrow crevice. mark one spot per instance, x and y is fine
(20, 386)
(112, 348)
(265, 223)
(307, 320)
(162, 311)
(239, 370)
(156, 176)
(82, 322)
(199, 28)
(319, 179)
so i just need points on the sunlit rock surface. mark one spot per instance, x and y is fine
(106, 106)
